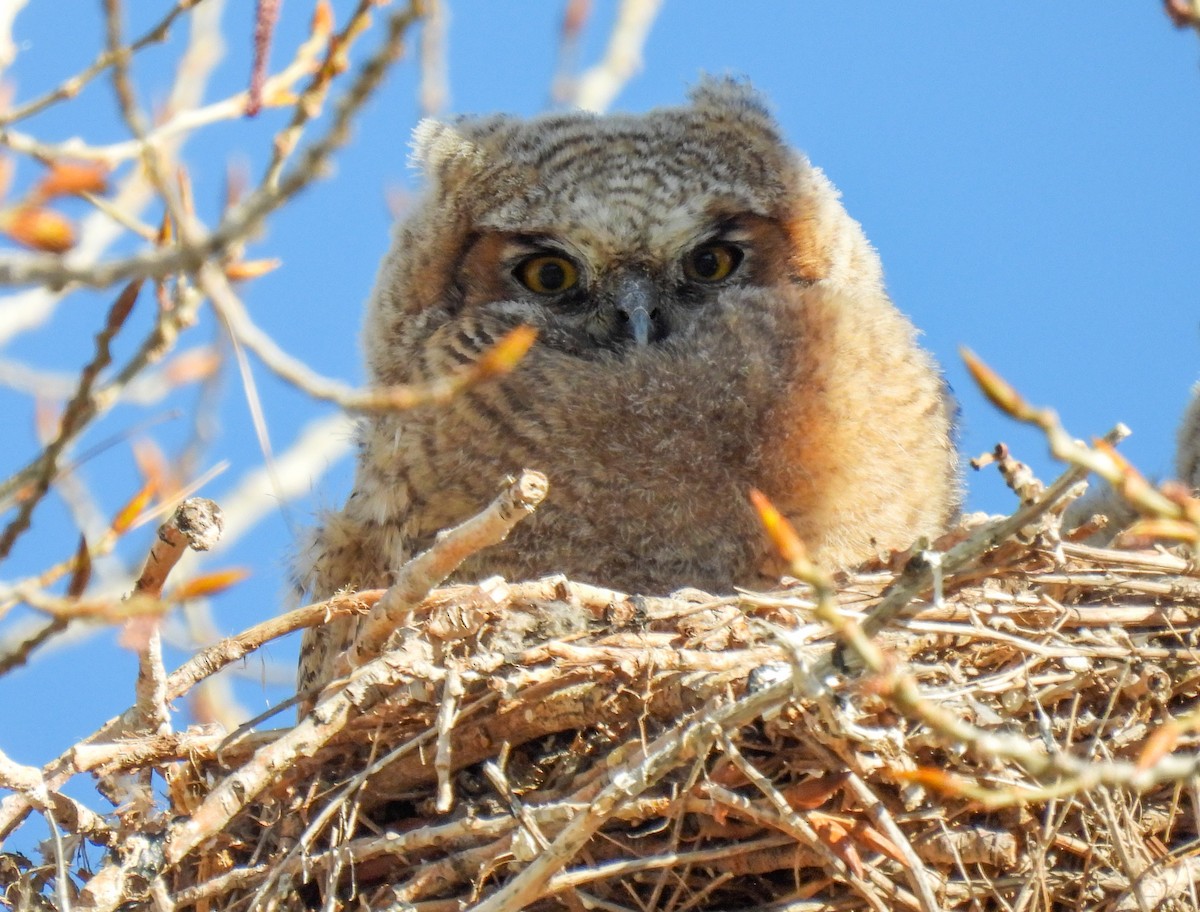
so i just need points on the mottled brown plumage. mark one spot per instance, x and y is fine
(710, 319)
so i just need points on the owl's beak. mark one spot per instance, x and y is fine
(637, 303)
(639, 324)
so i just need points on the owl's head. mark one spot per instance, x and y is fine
(613, 233)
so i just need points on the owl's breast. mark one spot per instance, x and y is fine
(650, 454)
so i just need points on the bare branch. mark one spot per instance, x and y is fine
(195, 524)
(414, 581)
(240, 222)
(500, 358)
(79, 411)
(599, 86)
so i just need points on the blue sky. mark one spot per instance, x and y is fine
(1027, 172)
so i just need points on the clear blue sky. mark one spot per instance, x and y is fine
(1027, 172)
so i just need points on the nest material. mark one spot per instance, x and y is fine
(1025, 741)
(562, 725)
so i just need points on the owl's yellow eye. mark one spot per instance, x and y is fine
(712, 262)
(547, 274)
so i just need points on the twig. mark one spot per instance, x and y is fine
(78, 412)
(196, 524)
(575, 16)
(416, 578)
(122, 85)
(217, 656)
(312, 98)
(150, 155)
(1101, 458)
(599, 86)
(369, 684)
(29, 782)
(243, 220)
(918, 875)
(71, 87)
(717, 857)
(452, 693)
(516, 807)
(918, 575)
(129, 753)
(791, 822)
(499, 359)
(17, 654)
(434, 89)
(265, 18)
(258, 416)
(185, 119)
(8, 14)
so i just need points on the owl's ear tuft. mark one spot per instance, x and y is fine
(726, 96)
(451, 152)
(438, 145)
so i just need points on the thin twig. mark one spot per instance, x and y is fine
(599, 86)
(71, 87)
(792, 822)
(452, 693)
(416, 578)
(196, 524)
(75, 417)
(434, 89)
(244, 219)
(499, 359)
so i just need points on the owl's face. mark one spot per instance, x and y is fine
(587, 299)
(613, 235)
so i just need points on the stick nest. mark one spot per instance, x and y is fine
(1026, 742)
(509, 714)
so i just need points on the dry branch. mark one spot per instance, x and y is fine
(244, 219)
(600, 85)
(453, 546)
(196, 524)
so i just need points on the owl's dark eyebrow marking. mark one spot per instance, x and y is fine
(724, 226)
(539, 243)
(468, 244)
(727, 225)
(457, 290)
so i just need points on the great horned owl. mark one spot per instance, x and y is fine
(709, 319)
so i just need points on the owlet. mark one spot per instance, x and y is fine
(709, 320)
